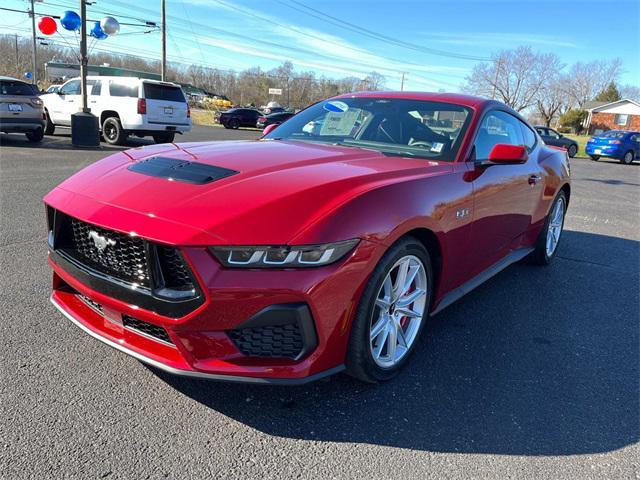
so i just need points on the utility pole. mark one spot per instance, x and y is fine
(17, 58)
(34, 76)
(402, 83)
(83, 56)
(163, 71)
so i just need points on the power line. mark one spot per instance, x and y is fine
(375, 35)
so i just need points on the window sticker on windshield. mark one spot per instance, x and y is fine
(341, 124)
(336, 106)
(437, 147)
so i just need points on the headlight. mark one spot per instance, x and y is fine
(299, 256)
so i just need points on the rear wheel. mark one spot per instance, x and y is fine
(234, 123)
(35, 135)
(627, 158)
(165, 137)
(391, 313)
(572, 151)
(112, 131)
(549, 238)
(49, 126)
(595, 158)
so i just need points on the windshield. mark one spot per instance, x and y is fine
(11, 87)
(613, 134)
(413, 128)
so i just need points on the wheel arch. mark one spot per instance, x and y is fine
(106, 114)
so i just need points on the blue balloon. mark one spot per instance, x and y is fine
(71, 20)
(97, 32)
(28, 74)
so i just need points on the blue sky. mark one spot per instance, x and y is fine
(233, 34)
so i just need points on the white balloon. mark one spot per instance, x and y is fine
(110, 26)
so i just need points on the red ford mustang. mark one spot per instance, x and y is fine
(324, 245)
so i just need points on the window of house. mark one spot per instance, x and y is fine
(621, 119)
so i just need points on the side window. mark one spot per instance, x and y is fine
(97, 88)
(497, 127)
(121, 89)
(71, 88)
(528, 137)
(553, 134)
(541, 131)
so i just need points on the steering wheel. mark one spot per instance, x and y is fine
(421, 143)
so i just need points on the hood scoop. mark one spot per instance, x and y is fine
(181, 170)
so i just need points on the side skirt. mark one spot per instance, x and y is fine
(462, 290)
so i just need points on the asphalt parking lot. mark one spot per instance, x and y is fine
(533, 375)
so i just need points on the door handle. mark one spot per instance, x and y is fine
(534, 179)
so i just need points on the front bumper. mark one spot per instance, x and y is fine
(200, 342)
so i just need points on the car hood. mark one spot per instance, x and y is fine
(280, 189)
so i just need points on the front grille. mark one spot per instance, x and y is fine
(147, 329)
(284, 341)
(128, 259)
(122, 257)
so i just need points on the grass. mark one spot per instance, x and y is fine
(582, 141)
(203, 117)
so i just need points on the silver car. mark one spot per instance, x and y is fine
(21, 109)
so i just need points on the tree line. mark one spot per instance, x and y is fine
(544, 88)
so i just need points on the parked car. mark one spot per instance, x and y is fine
(620, 144)
(270, 110)
(274, 118)
(21, 109)
(293, 257)
(239, 117)
(124, 106)
(552, 137)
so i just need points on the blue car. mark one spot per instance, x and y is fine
(620, 144)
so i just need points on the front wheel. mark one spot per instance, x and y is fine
(391, 313)
(49, 126)
(595, 158)
(549, 238)
(627, 158)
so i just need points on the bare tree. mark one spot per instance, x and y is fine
(551, 99)
(586, 80)
(515, 77)
(630, 92)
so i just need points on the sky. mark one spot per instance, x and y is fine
(435, 43)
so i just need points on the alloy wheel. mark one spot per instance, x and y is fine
(555, 227)
(398, 312)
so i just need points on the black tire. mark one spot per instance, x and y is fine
(35, 135)
(112, 131)
(627, 158)
(540, 256)
(234, 123)
(226, 125)
(595, 158)
(164, 137)
(360, 363)
(572, 150)
(49, 126)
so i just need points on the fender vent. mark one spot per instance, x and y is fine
(181, 170)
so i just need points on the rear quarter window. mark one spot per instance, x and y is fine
(168, 93)
(118, 89)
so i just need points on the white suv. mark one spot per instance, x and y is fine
(124, 106)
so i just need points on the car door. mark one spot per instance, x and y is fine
(505, 196)
(95, 96)
(67, 104)
(635, 142)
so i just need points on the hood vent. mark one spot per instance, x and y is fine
(181, 170)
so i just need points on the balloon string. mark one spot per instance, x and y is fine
(69, 45)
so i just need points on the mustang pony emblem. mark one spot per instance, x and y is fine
(100, 241)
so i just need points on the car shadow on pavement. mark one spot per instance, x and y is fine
(62, 141)
(538, 361)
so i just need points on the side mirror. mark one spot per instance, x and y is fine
(505, 154)
(269, 128)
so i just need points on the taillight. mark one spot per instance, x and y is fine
(188, 111)
(263, 119)
(36, 101)
(142, 106)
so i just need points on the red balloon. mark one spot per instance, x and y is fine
(47, 25)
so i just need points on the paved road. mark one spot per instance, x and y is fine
(534, 375)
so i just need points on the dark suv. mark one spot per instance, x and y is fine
(239, 117)
(551, 137)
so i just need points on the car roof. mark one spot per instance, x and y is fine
(13, 79)
(457, 98)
